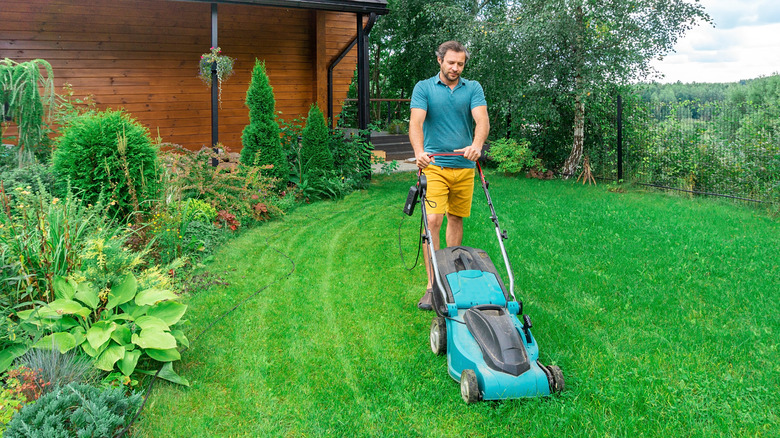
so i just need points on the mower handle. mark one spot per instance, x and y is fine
(493, 216)
(457, 154)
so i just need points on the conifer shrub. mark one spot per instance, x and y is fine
(261, 138)
(315, 148)
(75, 410)
(108, 154)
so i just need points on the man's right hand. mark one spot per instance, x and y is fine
(423, 160)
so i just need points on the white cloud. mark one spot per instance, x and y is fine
(744, 44)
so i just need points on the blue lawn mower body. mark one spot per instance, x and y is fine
(480, 325)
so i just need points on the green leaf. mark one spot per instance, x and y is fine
(24, 315)
(100, 333)
(62, 341)
(168, 355)
(151, 322)
(79, 334)
(122, 335)
(108, 358)
(10, 353)
(122, 292)
(65, 307)
(64, 288)
(167, 373)
(65, 323)
(154, 338)
(134, 311)
(181, 338)
(129, 361)
(120, 317)
(92, 352)
(151, 296)
(87, 293)
(169, 311)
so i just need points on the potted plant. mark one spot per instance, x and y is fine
(224, 68)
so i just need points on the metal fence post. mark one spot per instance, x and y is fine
(620, 138)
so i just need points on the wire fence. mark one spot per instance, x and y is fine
(712, 148)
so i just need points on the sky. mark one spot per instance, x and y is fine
(743, 44)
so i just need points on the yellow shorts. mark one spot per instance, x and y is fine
(449, 190)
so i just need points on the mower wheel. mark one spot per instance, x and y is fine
(557, 379)
(438, 336)
(469, 388)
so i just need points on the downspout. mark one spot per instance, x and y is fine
(366, 30)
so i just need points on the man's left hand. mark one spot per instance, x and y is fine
(471, 152)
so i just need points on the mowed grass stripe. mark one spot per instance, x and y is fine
(660, 311)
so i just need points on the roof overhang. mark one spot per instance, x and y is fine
(378, 7)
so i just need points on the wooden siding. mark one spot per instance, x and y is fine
(142, 55)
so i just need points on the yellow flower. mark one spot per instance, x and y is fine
(55, 200)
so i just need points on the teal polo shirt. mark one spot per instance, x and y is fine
(448, 122)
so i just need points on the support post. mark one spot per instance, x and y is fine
(214, 86)
(362, 67)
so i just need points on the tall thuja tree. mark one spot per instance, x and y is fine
(316, 155)
(583, 46)
(261, 139)
(23, 102)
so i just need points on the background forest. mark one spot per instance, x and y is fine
(552, 72)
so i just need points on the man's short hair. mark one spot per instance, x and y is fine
(451, 45)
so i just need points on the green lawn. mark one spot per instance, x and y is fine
(661, 311)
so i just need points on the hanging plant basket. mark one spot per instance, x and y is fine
(224, 68)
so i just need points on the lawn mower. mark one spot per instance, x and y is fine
(489, 350)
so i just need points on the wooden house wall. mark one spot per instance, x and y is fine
(142, 55)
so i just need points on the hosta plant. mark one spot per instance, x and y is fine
(118, 326)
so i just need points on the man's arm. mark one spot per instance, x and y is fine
(416, 137)
(481, 131)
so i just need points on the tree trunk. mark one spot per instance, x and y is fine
(579, 100)
(579, 135)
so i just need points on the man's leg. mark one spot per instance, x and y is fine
(454, 230)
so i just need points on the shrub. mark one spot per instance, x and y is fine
(29, 176)
(75, 410)
(20, 385)
(201, 237)
(352, 158)
(512, 156)
(197, 210)
(261, 141)
(315, 144)
(108, 153)
(243, 191)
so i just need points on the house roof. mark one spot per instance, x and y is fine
(358, 6)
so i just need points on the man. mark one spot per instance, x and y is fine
(449, 114)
